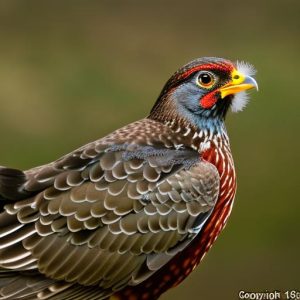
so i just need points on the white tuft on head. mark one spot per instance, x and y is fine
(239, 101)
(245, 68)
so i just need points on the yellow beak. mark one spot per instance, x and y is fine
(238, 83)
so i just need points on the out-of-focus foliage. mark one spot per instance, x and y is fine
(72, 71)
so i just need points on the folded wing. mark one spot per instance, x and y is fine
(107, 217)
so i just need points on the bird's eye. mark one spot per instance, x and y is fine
(206, 80)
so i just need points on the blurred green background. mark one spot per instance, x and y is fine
(73, 71)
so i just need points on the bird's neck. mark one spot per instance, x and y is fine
(201, 137)
(198, 126)
(199, 131)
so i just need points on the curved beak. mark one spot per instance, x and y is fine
(242, 83)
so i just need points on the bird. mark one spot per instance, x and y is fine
(130, 215)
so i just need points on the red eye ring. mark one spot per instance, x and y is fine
(205, 80)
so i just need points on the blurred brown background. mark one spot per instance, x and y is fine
(72, 71)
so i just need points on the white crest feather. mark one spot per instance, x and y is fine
(245, 68)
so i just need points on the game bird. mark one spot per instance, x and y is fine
(132, 214)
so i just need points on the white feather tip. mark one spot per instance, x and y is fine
(245, 68)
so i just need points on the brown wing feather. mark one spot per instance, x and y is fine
(108, 215)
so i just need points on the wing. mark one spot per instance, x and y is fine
(110, 221)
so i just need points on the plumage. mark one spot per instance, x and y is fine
(131, 214)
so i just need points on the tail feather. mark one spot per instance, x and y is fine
(11, 186)
(11, 183)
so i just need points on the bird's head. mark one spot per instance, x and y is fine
(202, 91)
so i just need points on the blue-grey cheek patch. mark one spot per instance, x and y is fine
(187, 100)
(188, 96)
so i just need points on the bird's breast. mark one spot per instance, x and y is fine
(186, 261)
(176, 270)
(221, 158)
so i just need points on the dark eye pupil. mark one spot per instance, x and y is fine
(205, 78)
